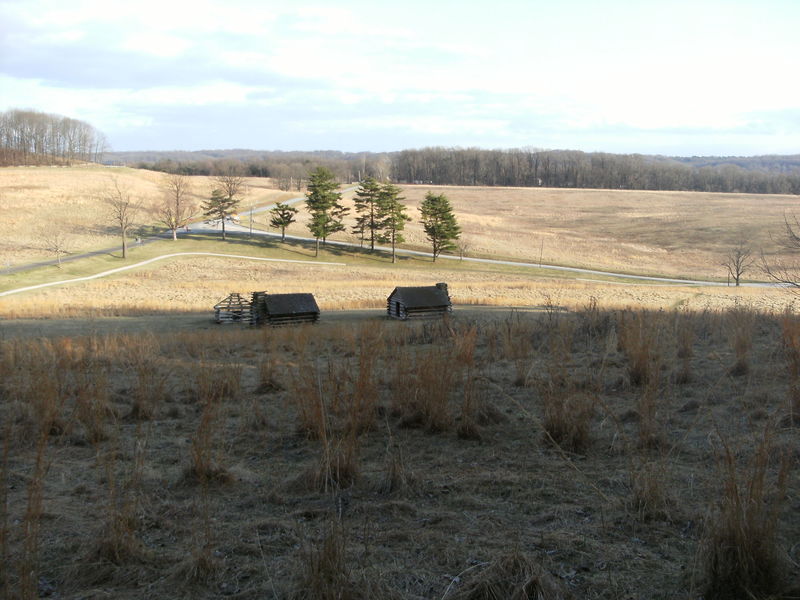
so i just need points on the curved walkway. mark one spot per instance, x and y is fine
(152, 260)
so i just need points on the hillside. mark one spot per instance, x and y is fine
(677, 234)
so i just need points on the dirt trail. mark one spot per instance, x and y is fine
(198, 321)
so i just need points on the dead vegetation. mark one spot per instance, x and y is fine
(583, 454)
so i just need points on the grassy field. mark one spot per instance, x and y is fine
(495, 455)
(683, 234)
(678, 234)
(339, 280)
(35, 199)
(669, 233)
(556, 438)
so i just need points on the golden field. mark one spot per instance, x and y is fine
(683, 234)
(672, 234)
(195, 284)
(679, 234)
(34, 199)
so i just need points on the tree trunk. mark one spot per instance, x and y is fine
(175, 235)
(222, 220)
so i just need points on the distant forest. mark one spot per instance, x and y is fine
(33, 138)
(29, 137)
(478, 167)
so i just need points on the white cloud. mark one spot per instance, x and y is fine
(495, 70)
(155, 44)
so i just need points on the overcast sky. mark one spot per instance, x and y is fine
(668, 77)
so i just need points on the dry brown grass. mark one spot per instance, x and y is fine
(437, 445)
(419, 512)
(34, 198)
(195, 284)
(671, 233)
(741, 550)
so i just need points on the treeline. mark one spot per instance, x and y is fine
(29, 137)
(290, 170)
(516, 168)
(573, 169)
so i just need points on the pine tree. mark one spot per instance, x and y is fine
(439, 223)
(282, 217)
(220, 206)
(392, 217)
(324, 205)
(366, 204)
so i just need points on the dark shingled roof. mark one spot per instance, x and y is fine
(290, 304)
(421, 296)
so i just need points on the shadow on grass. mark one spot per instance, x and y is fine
(304, 248)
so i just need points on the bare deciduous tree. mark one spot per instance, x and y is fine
(55, 241)
(737, 260)
(779, 271)
(227, 193)
(175, 210)
(123, 209)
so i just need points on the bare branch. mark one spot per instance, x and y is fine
(738, 260)
(56, 241)
(123, 209)
(177, 208)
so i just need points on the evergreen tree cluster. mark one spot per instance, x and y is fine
(380, 213)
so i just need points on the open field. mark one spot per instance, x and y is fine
(196, 283)
(673, 234)
(682, 234)
(570, 455)
(536, 452)
(669, 233)
(34, 199)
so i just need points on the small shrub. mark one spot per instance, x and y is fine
(205, 468)
(649, 497)
(397, 476)
(650, 428)
(790, 337)
(510, 577)
(684, 335)
(267, 377)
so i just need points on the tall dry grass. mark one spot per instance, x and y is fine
(637, 333)
(790, 339)
(353, 390)
(566, 410)
(740, 549)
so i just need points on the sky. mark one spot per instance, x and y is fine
(668, 77)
